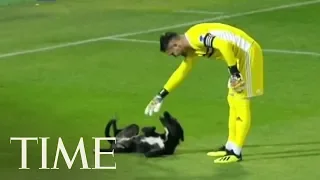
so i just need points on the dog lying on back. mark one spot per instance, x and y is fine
(149, 142)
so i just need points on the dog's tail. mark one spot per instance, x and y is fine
(111, 123)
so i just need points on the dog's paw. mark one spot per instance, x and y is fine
(167, 115)
(113, 120)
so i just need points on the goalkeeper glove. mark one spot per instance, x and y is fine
(153, 106)
(156, 103)
(235, 81)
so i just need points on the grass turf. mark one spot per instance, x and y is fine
(71, 92)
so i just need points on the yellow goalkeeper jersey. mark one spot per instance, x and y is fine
(229, 44)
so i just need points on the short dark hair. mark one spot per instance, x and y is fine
(165, 39)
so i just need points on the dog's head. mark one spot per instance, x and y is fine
(171, 124)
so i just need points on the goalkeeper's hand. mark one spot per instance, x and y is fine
(236, 83)
(154, 105)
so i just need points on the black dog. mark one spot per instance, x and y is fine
(150, 143)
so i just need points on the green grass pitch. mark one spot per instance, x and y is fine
(71, 92)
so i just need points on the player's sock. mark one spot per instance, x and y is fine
(236, 149)
(242, 124)
(228, 145)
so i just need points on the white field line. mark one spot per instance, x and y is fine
(222, 17)
(265, 50)
(198, 12)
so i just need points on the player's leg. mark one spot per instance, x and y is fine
(232, 129)
(243, 124)
(232, 122)
(222, 151)
(239, 126)
(252, 71)
(254, 81)
(242, 105)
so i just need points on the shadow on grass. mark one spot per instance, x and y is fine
(283, 144)
(192, 151)
(310, 150)
(296, 151)
(285, 156)
(231, 171)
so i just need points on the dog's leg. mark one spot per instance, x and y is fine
(155, 152)
(115, 150)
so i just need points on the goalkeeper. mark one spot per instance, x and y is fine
(244, 59)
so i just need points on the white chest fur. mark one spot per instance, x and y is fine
(153, 141)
